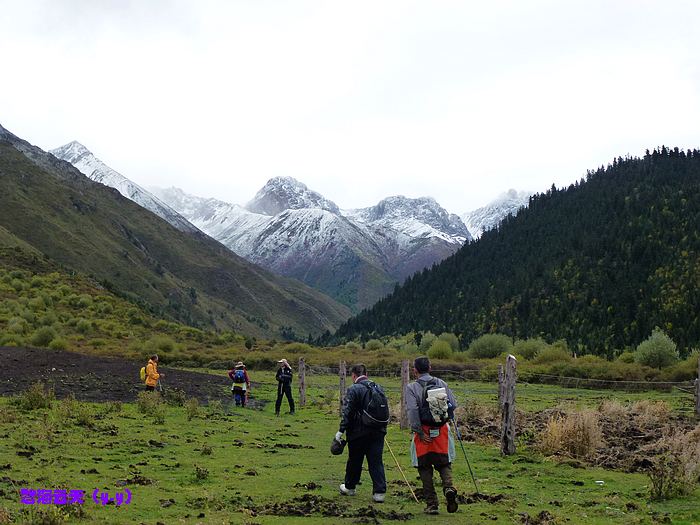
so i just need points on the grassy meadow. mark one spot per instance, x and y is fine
(191, 463)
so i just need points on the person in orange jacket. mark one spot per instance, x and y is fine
(152, 375)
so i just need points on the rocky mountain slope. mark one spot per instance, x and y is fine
(83, 159)
(356, 256)
(48, 206)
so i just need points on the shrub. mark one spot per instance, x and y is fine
(426, 341)
(192, 408)
(626, 357)
(83, 415)
(83, 326)
(440, 350)
(650, 413)
(552, 354)
(577, 434)
(450, 339)
(43, 336)
(176, 397)
(17, 325)
(36, 396)
(410, 349)
(200, 473)
(297, 348)
(58, 344)
(151, 404)
(676, 471)
(11, 340)
(215, 408)
(206, 450)
(529, 348)
(352, 346)
(374, 344)
(657, 351)
(490, 345)
(160, 344)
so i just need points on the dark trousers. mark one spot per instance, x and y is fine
(150, 388)
(371, 447)
(239, 396)
(426, 476)
(282, 390)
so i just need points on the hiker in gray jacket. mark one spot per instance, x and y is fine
(432, 445)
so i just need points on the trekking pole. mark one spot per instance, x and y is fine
(160, 386)
(455, 429)
(401, 470)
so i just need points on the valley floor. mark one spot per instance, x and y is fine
(221, 464)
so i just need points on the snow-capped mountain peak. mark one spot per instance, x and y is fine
(92, 167)
(71, 152)
(489, 216)
(420, 217)
(286, 193)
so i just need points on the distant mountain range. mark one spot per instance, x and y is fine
(355, 256)
(50, 208)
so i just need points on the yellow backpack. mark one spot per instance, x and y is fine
(142, 374)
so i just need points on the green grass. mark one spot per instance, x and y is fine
(241, 440)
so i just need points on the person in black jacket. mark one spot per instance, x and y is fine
(284, 386)
(362, 441)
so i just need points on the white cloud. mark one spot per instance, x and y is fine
(458, 100)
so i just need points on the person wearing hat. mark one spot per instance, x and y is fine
(241, 384)
(284, 386)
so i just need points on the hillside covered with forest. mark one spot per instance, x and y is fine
(600, 264)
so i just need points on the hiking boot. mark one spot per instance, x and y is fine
(451, 496)
(378, 497)
(277, 413)
(345, 491)
(431, 509)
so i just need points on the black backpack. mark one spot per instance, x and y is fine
(426, 416)
(375, 412)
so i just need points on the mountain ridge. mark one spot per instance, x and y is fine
(187, 276)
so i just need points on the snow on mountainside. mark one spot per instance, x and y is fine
(286, 193)
(355, 256)
(414, 218)
(489, 216)
(80, 157)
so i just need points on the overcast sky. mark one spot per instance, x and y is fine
(359, 100)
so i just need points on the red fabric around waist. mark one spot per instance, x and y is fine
(439, 445)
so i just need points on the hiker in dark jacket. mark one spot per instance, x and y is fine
(432, 445)
(362, 441)
(284, 386)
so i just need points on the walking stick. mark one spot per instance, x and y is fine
(400, 470)
(455, 429)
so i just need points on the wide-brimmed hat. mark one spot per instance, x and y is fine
(285, 362)
(239, 365)
(337, 447)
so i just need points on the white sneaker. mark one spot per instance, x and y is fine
(346, 492)
(378, 497)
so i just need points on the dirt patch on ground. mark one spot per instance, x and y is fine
(92, 378)
(310, 504)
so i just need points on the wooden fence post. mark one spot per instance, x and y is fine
(302, 382)
(403, 417)
(501, 386)
(342, 374)
(508, 408)
(697, 391)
